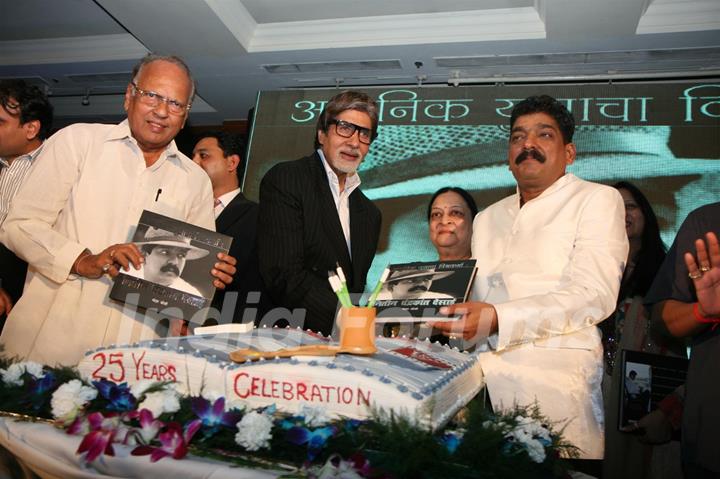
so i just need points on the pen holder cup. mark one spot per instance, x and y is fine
(357, 330)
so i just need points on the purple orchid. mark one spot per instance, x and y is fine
(174, 442)
(99, 440)
(353, 424)
(355, 466)
(451, 441)
(213, 416)
(79, 427)
(315, 439)
(38, 389)
(362, 465)
(118, 396)
(149, 426)
(289, 423)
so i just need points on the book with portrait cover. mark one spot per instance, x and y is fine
(414, 292)
(175, 278)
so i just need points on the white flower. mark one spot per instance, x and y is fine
(69, 398)
(161, 402)
(139, 388)
(315, 416)
(183, 389)
(528, 433)
(496, 424)
(535, 450)
(12, 375)
(534, 428)
(344, 469)
(254, 431)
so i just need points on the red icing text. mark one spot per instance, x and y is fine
(156, 372)
(112, 367)
(246, 386)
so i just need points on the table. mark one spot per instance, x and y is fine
(50, 453)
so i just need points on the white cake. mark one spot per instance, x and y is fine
(425, 380)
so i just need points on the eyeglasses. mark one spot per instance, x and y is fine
(347, 129)
(150, 98)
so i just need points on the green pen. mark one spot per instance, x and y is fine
(378, 288)
(338, 290)
(343, 282)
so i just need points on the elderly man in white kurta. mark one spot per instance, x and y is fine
(550, 259)
(74, 218)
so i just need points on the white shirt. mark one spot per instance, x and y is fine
(341, 197)
(631, 387)
(87, 190)
(552, 270)
(12, 176)
(224, 200)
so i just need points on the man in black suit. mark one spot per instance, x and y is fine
(313, 215)
(25, 121)
(221, 155)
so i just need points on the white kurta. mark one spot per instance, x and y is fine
(552, 270)
(87, 190)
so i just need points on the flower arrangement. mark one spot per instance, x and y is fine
(155, 419)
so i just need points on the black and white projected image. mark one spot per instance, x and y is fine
(660, 136)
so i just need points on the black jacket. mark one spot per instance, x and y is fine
(300, 239)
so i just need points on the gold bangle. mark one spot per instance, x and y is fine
(76, 266)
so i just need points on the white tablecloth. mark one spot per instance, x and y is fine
(50, 453)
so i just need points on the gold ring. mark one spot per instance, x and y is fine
(105, 268)
(705, 268)
(695, 275)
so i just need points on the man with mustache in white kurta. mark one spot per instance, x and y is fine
(550, 259)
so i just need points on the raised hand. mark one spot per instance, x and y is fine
(704, 270)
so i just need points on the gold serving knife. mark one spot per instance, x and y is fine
(242, 355)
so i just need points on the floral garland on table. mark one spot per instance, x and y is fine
(155, 419)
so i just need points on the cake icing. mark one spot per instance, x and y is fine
(425, 380)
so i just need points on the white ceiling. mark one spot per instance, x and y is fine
(237, 47)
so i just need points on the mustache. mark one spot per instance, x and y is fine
(351, 151)
(529, 153)
(420, 288)
(167, 268)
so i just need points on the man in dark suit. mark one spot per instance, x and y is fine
(221, 155)
(313, 215)
(25, 121)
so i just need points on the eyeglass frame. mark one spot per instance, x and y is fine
(161, 99)
(355, 128)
